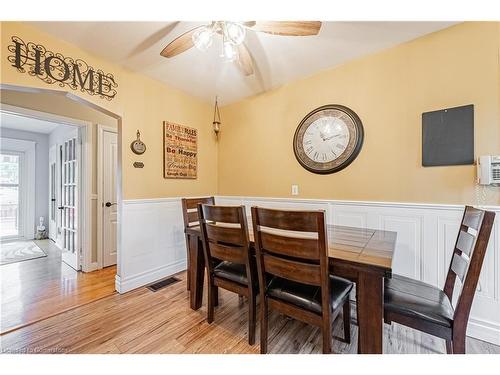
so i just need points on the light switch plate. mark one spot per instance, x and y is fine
(295, 189)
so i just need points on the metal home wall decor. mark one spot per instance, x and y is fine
(54, 68)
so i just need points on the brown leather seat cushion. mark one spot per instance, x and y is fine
(232, 271)
(308, 296)
(417, 299)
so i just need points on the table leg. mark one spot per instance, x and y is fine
(197, 272)
(188, 283)
(370, 312)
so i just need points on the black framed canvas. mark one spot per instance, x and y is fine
(448, 136)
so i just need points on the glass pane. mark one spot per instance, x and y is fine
(9, 211)
(9, 169)
(9, 195)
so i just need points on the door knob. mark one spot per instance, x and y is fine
(109, 204)
(60, 208)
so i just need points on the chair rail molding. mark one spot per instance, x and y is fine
(154, 247)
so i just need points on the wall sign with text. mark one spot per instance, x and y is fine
(180, 151)
(54, 68)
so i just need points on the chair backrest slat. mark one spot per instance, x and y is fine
(192, 216)
(467, 260)
(465, 242)
(473, 217)
(291, 270)
(459, 265)
(190, 209)
(223, 214)
(235, 254)
(219, 233)
(192, 203)
(297, 247)
(288, 220)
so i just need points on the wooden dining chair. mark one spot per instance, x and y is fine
(429, 309)
(230, 264)
(292, 262)
(190, 217)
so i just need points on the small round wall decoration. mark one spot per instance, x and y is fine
(328, 139)
(138, 147)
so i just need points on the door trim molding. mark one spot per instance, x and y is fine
(100, 181)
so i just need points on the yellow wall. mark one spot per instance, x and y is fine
(143, 104)
(389, 91)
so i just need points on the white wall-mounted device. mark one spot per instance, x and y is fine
(488, 170)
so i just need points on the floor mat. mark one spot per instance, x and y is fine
(18, 251)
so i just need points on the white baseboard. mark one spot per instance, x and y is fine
(91, 267)
(148, 277)
(484, 330)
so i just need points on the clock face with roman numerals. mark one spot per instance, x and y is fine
(328, 139)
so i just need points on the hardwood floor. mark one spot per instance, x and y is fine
(39, 288)
(143, 321)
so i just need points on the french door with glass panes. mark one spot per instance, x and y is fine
(69, 179)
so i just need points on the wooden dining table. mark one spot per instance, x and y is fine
(364, 256)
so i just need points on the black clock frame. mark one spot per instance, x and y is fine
(357, 148)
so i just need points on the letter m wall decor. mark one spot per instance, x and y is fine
(54, 68)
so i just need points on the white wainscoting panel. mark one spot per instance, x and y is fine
(426, 236)
(153, 245)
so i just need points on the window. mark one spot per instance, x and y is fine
(10, 210)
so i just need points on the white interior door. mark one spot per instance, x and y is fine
(69, 200)
(110, 215)
(53, 193)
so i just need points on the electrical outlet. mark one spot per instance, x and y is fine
(295, 189)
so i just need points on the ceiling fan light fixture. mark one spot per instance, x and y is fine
(202, 38)
(235, 32)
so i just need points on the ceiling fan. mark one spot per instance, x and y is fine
(233, 36)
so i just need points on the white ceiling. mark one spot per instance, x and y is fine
(277, 59)
(13, 121)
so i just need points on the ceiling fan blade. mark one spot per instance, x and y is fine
(287, 28)
(244, 60)
(180, 44)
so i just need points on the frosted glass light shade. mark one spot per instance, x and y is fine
(202, 38)
(235, 32)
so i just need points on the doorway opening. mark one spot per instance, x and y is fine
(64, 206)
(36, 205)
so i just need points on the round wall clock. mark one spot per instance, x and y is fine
(328, 139)
(138, 147)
